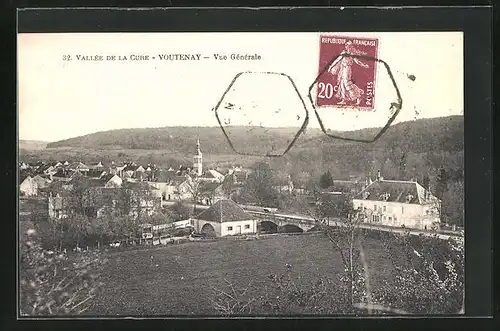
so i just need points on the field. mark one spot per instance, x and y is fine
(177, 279)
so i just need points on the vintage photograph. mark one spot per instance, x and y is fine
(241, 174)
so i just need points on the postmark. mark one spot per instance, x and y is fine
(349, 81)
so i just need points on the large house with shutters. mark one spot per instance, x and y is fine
(398, 203)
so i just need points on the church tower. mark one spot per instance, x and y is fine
(197, 160)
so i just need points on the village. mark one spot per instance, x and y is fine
(209, 197)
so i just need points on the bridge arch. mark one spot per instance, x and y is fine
(208, 230)
(266, 226)
(290, 228)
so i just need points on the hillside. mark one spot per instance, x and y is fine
(180, 139)
(417, 136)
(32, 145)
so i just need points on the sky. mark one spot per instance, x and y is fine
(60, 99)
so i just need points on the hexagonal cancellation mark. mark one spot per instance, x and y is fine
(333, 119)
(264, 107)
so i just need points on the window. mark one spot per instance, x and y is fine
(390, 218)
(247, 226)
(375, 207)
(385, 208)
(402, 210)
(229, 228)
(395, 218)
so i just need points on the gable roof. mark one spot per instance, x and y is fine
(78, 165)
(213, 174)
(23, 177)
(40, 181)
(396, 191)
(224, 211)
(107, 177)
(209, 186)
(61, 173)
(177, 180)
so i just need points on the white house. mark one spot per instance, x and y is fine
(398, 203)
(111, 180)
(28, 186)
(225, 218)
(41, 181)
(212, 176)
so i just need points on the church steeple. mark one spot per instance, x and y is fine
(198, 159)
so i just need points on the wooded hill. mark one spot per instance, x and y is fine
(445, 133)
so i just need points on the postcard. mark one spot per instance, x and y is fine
(241, 174)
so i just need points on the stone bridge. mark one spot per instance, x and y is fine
(269, 222)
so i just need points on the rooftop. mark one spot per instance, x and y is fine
(396, 191)
(224, 211)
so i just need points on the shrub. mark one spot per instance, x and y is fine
(55, 283)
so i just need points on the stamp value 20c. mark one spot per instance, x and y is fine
(349, 81)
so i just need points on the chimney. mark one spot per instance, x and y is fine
(379, 177)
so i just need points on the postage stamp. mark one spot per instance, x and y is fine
(349, 81)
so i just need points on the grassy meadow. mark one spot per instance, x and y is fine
(177, 279)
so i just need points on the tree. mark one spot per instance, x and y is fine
(402, 165)
(301, 179)
(194, 187)
(441, 182)
(78, 227)
(389, 169)
(208, 192)
(426, 182)
(347, 240)
(452, 203)
(259, 186)
(326, 180)
(179, 211)
(429, 275)
(227, 185)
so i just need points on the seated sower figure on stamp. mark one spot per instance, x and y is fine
(346, 89)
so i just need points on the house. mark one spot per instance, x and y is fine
(286, 186)
(398, 203)
(238, 176)
(133, 170)
(79, 166)
(111, 180)
(182, 187)
(28, 186)
(97, 166)
(144, 198)
(41, 181)
(172, 186)
(210, 193)
(61, 175)
(24, 166)
(212, 176)
(224, 218)
(117, 168)
(95, 173)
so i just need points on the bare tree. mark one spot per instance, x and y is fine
(232, 301)
(194, 187)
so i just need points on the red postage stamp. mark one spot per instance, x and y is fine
(349, 81)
